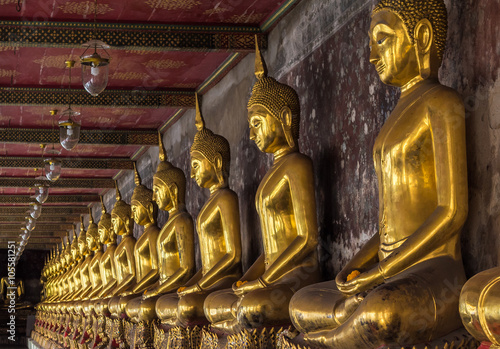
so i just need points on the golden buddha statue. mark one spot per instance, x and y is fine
(95, 246)
(218, 226)
(145, 212)
(479, 307)
(4, 290)
(122, 223)
(108, 279)
(286, 205)
(175, 245)
(402, 287)
(107, 236)
(74, 275)
(85, 283)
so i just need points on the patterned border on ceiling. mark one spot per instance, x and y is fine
(47, 211)
(63, 218)
(138, 37)
(40, 227)
(7, 182)
(26, 199)
(38, 136)
(101, 164)
(30, 96)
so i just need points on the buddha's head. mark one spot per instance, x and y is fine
(121, 215)
(105, 229)
(169, 182)
(144, 209)
(210, 155)
(93, 242)
(82, 240)
(407, 40)
(273, 111)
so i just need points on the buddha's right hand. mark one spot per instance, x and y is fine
(238, 284)
(148, 294)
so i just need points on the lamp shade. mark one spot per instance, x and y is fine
(35, 210)
(53, 168)
(42, 192)
(30, 225)
(95, 68)
(69, 129)
(25, 234)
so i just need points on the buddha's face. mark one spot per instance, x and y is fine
(265, 130)
(91, 242)
(392, 52)
(82, 246)
(74, 252)
(139, 213)
(161, 195)
(118, 224)
(103, 234)
(203, 171)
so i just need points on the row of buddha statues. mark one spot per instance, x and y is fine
(403, 288)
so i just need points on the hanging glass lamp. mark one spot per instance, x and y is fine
(41, 193)
(35, 210)
(53, 166)
(95, 68)
(69, 129)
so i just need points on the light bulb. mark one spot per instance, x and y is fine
(94, 71)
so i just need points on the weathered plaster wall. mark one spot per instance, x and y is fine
(321, 49)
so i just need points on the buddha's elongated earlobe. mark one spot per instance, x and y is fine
(286, 122)
(424, 37)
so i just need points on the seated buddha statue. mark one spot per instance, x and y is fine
(122, 223)
(95, 246)
(286, 204)
(175, 244)
(4, 290)
(218, 226)
(144, 211)
(402, 287)
(108, 278)
(74, 275)
(107, 236)
(85, 284)
(479, 306)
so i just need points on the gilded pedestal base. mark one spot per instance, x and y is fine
(176, 337)
(255, 339)
(459, 339)
(140, 335)
(117, 338)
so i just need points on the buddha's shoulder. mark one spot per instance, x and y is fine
(297, 160)
(226, 194)
(441, 95)
(184, 218)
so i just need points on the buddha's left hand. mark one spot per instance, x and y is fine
(248, 287)
(362, 282)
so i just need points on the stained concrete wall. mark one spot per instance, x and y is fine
(321, 49)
